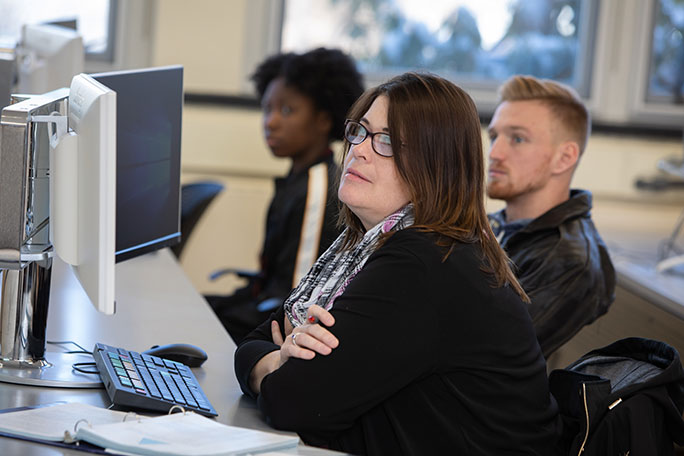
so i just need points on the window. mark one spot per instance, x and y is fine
(94, 20)
(480, 43)
(624, 57)
(666, 70)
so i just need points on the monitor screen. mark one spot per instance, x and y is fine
(149, 112)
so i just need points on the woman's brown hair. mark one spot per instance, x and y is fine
(437, 149)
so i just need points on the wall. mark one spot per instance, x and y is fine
(206, 37)
(216, 40)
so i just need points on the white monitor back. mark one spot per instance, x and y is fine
(48, 57)
(92, 116)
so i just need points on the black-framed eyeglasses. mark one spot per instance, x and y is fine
(356, 133)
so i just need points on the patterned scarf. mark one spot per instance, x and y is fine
(332, 272)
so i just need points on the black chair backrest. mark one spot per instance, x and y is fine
(195, 198)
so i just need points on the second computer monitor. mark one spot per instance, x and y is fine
(48, 57)
(149, 114)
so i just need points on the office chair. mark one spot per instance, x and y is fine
(195, 199)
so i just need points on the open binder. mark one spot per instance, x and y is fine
(185, 433)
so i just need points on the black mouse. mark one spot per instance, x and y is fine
(190, 355)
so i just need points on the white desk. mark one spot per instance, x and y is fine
(635, 259)
(156, 304)
(664, 289)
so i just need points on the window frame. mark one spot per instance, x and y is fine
(108, 54)
(641, 106)
(130, 23)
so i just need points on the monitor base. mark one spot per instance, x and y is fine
(55, 371)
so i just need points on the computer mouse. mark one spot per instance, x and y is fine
(190, 355)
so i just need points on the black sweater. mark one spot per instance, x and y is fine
(432, 360)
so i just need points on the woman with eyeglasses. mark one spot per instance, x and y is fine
(410, 334)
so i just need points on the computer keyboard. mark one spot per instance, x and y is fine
(147, 382)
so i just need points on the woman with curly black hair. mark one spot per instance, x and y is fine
(304, 98)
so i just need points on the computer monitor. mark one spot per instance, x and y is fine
(83, 190)
(121, 165)
(48, 57)
(83, 200)
(149, 116)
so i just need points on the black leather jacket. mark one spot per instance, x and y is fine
(564, 266)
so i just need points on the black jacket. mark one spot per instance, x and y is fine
(564, 266)
(300, 225)
(286, 232)
(623, 399)
(432, 360)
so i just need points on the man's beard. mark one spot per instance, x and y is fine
(497, 190)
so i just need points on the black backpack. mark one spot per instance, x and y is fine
(625, 399)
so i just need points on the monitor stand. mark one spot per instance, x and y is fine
(24, 300)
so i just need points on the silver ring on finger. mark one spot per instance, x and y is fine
(294, 339)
